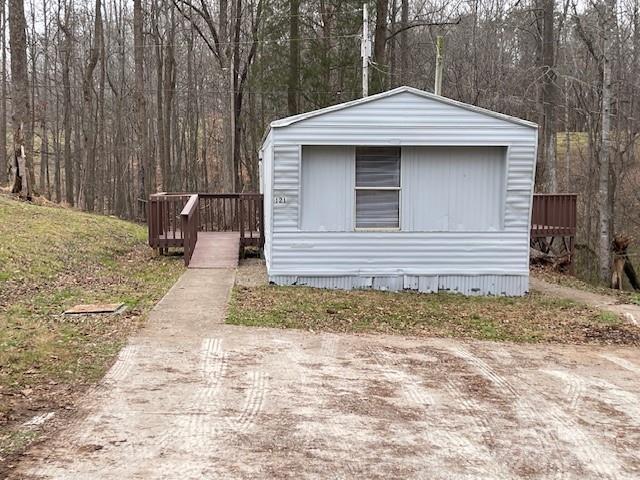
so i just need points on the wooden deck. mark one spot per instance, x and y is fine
(213, 228)
(216, 250)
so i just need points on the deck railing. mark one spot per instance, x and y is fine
(217, 212)
(164, 222)
(190, 222)
(553, 215)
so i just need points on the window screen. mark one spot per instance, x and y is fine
(377, 187)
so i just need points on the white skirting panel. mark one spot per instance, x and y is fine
(495, 285)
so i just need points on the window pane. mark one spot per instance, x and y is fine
(377, 208)
(377, 167)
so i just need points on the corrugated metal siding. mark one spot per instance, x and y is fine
(308, 253)
(404, 108)
(327, 189)
(497, 285)
(453, 188)
(403, 119)
(286, 184)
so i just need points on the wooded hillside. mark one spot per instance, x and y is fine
(110, 100)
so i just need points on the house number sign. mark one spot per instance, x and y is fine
(279, 199)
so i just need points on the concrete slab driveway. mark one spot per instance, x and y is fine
(190, 398)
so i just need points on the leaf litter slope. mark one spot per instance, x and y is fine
(50, 260)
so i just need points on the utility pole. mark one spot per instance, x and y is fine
(437, 89)
(365, 50)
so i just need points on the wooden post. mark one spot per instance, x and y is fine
(437, 89)
(241, 219)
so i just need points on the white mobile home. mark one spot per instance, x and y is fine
(400, 190)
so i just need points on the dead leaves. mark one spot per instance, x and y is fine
(529, 319)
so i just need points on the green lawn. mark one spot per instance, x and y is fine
(51, 259)
(528, 319)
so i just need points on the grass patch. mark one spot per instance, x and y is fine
(52, 259)
(609, 318)
(534, 318)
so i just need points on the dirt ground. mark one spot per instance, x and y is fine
(191, 398)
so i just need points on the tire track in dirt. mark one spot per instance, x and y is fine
(253, 403)
(621, 362)
(122, 366)
(586, 449)
(551, 463)
(328, 345)
(616, 397)
(201, 416)
(195, 425)
(575, 387)
(448, 434)
(308, 439)
(411, 389)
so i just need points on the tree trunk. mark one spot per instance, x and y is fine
(3, 100)
(142, 140)
(294, 57)
(404, 42)
(89, 131)
(22, 133)
(379, 46)
(45, 186)
(604, 204)
(547, 179)
(67, 115)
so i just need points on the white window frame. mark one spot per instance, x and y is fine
(356, 188)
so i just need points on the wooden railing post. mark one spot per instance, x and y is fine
(190, 225)
(241, 222)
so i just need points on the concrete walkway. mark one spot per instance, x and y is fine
(608, 303)
(190, 398)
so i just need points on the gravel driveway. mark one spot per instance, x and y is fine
(190, 398)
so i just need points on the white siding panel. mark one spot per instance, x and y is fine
(453, 188)
(405, 108)
(327, 189)
(425, 193)
(349, 253)
(286, 184)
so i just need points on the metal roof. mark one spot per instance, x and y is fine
(285, 122)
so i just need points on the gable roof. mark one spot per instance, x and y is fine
(285, 122)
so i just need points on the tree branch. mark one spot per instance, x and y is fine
(421, 24)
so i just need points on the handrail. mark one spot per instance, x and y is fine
(190, 225)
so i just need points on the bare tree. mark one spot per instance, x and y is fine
(23, 177)
(294, 57)
(3, 100)
(142, 142)
(66, 52)
(604, 180)
(548, 99)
